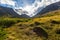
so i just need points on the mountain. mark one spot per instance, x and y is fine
(41, 10)
(4, 11)
(52, 7)
(31, 8)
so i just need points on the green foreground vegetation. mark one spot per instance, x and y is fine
(46, 27)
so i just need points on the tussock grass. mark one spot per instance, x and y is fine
(32, 29)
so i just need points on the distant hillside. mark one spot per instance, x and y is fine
(52, 13)
(9, 12)
(4, 11)
(50, 8)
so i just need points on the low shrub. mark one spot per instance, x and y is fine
(7, 23)
(37, 23)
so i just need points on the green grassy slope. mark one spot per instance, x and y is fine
(44, 28)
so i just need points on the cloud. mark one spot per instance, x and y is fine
(7, 3)
(32, 9)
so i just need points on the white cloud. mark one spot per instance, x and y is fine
(31, 9)
(9, 2)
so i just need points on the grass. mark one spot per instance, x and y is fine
(2, 34)
(28, 29)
